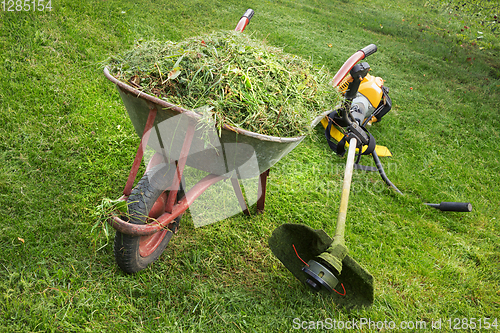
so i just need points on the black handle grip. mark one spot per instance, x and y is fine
(358, 73)
(369, 50)
(249, 14)
(453, 206)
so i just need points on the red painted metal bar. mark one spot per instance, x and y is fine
(239, 195)
(262, 191)
(123, 198)
(242, 24)
(140, 151)
(181, 163)
(244, 20)
(164, 220)
(154, 161)
(347, 66)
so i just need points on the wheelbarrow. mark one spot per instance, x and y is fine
(157, 202)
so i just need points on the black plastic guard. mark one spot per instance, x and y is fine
(309, 243)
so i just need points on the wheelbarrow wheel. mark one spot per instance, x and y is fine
(135, 253)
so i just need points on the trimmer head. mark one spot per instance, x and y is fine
(291, 241)
(320, 276)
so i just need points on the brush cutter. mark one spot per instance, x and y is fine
(311, 255)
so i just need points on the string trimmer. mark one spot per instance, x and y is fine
(311, 255)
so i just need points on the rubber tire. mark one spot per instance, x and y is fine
(140, 201)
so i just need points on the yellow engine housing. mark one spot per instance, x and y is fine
(370, 87)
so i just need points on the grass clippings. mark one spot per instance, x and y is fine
(242, 81)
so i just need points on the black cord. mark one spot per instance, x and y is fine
(359, 157)
(380, 169)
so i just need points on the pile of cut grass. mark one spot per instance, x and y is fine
(242, 81)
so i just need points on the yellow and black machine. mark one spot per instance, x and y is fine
(372, 100)
(368, 105)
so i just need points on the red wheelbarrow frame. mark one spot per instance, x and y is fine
(175, 209)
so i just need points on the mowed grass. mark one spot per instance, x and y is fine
(66, 142)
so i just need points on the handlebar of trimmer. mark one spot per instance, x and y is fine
(244, 20)
(353, 60)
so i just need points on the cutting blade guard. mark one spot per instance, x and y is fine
(292, 242)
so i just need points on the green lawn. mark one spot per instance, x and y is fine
(66, 142)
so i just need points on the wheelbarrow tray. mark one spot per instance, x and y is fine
(233, 148)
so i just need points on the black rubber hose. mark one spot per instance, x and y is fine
(380, 169)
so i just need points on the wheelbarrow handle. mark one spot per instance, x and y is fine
(244, 20)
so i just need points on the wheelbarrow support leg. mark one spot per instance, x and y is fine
(262, 191)
(180, 164)
(239, 195)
